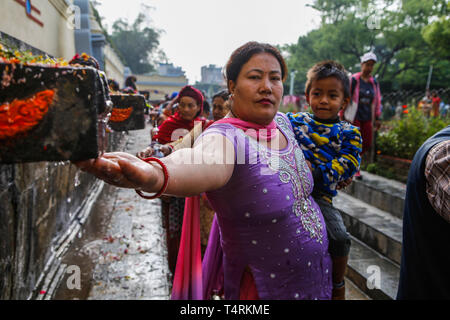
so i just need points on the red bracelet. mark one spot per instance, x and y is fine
(166, 180)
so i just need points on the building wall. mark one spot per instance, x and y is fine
(55, 37)
(164, 85)
(212, 75)
(42, 205)
(114, 67)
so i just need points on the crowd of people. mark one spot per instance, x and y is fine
(248, 191)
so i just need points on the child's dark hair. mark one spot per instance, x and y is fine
(327, 69)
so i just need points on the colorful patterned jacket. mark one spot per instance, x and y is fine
(332, 147)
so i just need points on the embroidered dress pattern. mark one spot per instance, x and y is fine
(286, 166)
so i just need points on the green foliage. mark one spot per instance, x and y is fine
(437, 35)
(380, 170)
(346, 33)
(136, 43)
(405, 136)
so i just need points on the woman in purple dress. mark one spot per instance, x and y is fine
(272, 232)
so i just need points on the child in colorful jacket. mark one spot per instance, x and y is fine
(332, 147)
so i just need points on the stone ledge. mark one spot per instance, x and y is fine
(378, 229)
(358, 271)
(385, 194)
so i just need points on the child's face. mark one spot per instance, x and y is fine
(326, 98)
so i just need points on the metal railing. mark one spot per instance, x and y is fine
(393, 102)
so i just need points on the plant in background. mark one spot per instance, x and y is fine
(407, 134)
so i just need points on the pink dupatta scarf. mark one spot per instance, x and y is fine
(376, 104)
(189, 282)
(254, 130)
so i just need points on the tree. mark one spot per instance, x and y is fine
(392, 29)
(137, 44)
(437, 35)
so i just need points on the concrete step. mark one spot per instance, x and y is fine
(372, 273)
(352, 292)
(378, 229)
(385, 194)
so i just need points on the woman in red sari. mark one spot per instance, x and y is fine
(190, 102)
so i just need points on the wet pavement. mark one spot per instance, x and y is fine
(133, 256)
(123, 253)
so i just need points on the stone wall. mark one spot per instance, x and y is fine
(42, 208)
(55, 36)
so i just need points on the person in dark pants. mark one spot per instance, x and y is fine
(425, 264)
(365, 103)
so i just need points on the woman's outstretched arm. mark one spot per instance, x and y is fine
(207, 166)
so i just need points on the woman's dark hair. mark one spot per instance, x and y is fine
(130, 82)
(326, 69)
(224, 94)
(242, 55)
(114, 85)
(206, 107)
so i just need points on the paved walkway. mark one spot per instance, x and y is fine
(132, 261)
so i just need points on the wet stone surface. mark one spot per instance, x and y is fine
(132, 259)
(122, 254)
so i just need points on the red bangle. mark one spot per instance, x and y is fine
(166, 180)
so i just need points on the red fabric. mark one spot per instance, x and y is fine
(248, 289)
(208, 123)
(173, 123)
(189, 91)
(366, 133)
(436, 100)
(187, 282)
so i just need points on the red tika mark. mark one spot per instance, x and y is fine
(21, 116)
(120, 115)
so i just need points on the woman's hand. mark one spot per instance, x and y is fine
(124, 170)
(146, 153)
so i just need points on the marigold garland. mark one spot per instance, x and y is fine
(120, 115)
(22, 115)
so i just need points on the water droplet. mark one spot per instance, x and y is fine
(272, 275)
(77, 179)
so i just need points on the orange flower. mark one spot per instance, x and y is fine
(21, 116)
(120, 115)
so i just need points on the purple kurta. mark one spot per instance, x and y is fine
(269, 221)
